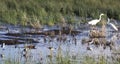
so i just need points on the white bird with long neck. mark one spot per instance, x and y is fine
(94, 22)
(111, 24)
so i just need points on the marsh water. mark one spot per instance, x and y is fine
(48, 48)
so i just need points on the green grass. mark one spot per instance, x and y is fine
(64, 58)
(49, 11)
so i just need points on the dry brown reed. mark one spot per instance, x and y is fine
(96, 34)
(63, 22)
(103, 29)
(36, 24)
(30, 46)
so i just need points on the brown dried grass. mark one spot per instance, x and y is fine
(36, 24)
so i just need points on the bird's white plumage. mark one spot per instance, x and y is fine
(94, 22)
(111, 24)
(114, 27)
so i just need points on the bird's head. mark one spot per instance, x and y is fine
(102, 14)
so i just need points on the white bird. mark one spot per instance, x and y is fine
(94, 22)
(111, 24)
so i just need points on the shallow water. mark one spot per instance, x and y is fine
(72, 45)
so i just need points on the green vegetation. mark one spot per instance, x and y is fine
(91, 60)
(49, 11)
(85, 59)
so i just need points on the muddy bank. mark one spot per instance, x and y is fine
(48, 32)
(11, 38)
(10, 41)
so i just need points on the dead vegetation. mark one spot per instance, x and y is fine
(98, 37)
(30, 46)
(96, 34)
(36, 24)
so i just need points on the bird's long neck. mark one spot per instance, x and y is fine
(108, 21)
(100, 17)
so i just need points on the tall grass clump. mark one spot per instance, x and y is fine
(92, 60)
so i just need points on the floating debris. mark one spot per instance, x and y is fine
(86, 40)
(30, 47)
(50, 48)
(89, 48)
(2, 55)
(3, 46)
